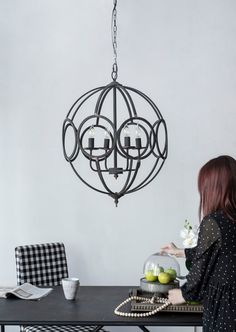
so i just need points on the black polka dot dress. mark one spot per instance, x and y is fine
(212, 276)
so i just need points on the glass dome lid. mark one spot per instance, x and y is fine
(159, 263)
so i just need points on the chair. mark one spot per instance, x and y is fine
(45, 265)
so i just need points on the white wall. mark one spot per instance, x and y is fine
(181, 53)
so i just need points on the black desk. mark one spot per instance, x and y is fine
(95, 306)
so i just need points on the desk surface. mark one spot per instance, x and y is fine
(95, 306)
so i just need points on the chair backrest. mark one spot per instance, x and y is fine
(41, 264)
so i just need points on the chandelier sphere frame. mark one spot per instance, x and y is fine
(115, 145)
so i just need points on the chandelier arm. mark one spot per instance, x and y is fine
(95, 170)
(101, 178)
(87, 184)
(130, 99)
(153, 105)
(93, 91)
(127, 185)
(105, 164)
(126, 101)
(91, 166)
(127, 164)
(127, 179)
(134, 177)
(106, 169)
(142, 185)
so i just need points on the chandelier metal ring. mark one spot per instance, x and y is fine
(163, 153)
(96, 125)
(68, 123)
(124, 150)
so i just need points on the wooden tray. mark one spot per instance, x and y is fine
(137, 306)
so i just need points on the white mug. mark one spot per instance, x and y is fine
(70, 287)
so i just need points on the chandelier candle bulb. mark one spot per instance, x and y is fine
(126, 136)
(138, 137)
(106, 143)
(91, 143)
(127, 141)
(91, 134)
(106, 140)
(138, 142)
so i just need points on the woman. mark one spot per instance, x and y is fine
(212, 276)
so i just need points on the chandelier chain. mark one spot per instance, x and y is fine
(114, 73)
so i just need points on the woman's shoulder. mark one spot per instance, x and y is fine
(209, 234)
(213, 217)
(217, 216)
(211, 223)
(218, 221)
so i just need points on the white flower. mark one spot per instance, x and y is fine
(184, 233)
(190, 242)
(189, 234)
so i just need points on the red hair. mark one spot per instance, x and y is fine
(217, 187)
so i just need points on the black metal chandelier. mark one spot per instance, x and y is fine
(124, 150)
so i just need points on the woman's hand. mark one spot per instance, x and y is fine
(173, 250)
(175, 296)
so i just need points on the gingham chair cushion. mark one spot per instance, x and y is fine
(41, 264)
(44, 265)
(60, 328)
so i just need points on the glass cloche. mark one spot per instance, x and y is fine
(160, 273)
(157, 260)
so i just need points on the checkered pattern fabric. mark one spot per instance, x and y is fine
(54, 328)
(44, 265)
(41, 264)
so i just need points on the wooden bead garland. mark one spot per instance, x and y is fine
(139, 298)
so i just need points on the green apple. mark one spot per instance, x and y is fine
(164, 278)
(149, 275)
(172, 272)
